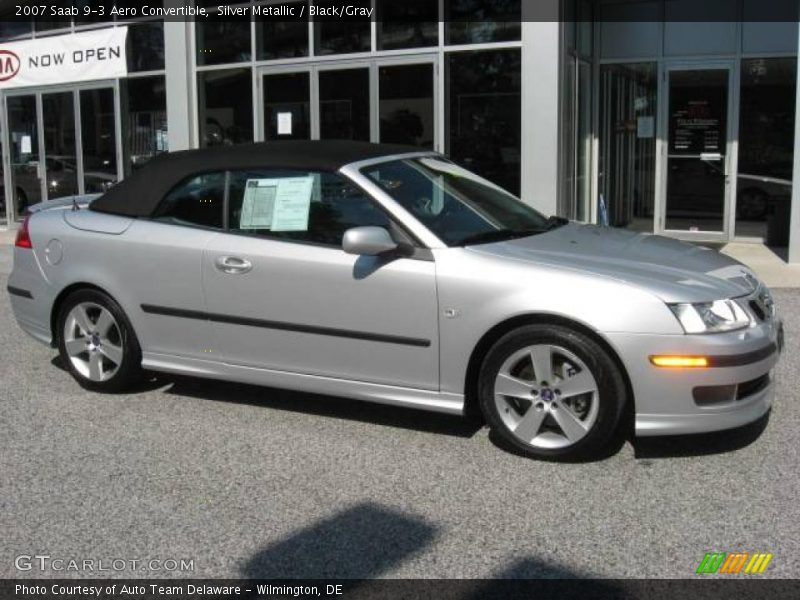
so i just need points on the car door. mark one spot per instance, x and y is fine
(161, 261)
(283, 295)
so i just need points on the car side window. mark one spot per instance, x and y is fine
(301, 206)
(197, 201)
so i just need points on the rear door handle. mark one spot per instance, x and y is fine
(233, 265)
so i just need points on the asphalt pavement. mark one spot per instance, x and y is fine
(247, 481)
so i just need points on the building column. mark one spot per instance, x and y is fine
(541, 50)
(794, 222)
(179, 82)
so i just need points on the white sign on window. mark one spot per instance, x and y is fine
(258, 203)
(277, 204)
(292, 204)
(70, 58)
(285, 123)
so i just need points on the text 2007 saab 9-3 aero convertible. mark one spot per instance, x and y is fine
(395, 276)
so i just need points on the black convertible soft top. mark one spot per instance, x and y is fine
(139, 194)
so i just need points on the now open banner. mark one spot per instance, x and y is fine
(70, 58)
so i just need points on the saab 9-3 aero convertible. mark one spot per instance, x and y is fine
(395, 276)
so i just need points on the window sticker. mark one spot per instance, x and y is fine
(284, 123)
(292, 204)
(258, 205)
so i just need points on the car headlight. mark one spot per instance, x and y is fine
(711, 317)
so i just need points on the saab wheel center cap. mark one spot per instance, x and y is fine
(546, 394)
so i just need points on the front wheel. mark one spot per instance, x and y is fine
(97, 343)
(552, 392)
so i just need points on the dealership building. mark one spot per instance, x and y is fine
(675, 117)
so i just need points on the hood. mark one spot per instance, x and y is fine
(675, 271)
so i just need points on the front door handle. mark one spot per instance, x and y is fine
(233, 265)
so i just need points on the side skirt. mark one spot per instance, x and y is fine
(452, 404)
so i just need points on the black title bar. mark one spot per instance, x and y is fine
(84, 12)
(745, 587)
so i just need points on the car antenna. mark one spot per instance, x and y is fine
(75, 205)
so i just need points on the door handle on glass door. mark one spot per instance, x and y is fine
(233, 265)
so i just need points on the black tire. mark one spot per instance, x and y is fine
(612, 394)
(129, 371)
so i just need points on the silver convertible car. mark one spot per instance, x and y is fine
(395, 276)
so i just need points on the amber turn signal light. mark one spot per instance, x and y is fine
(680, 362)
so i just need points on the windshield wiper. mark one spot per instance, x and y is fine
(497, 235)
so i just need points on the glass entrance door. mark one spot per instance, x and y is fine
(61, 142)
(344, 104)
(406, 104)
(25, 171)
(697, 198)
(381, 100)
(286, 102)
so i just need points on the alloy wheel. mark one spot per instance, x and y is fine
(546, 396)
(93, 341)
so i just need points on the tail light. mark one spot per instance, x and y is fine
(23, 235)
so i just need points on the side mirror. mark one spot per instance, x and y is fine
(368, 241)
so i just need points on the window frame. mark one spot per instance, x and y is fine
(415, 249)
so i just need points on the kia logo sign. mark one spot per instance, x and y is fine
(9, 65)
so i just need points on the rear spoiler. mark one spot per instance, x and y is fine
(81, 201)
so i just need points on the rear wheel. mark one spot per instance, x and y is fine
(97, 342)
(552, 392)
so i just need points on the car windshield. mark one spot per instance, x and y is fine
(455, 204)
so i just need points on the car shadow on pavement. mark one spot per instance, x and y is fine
(367, 541)
(360, 542)
(325, 406)
(719, 442)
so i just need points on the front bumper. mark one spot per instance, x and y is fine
(671, 402)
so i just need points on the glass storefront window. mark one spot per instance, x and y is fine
(287, 96)
(145, 47)
(58, 120)
(627, 157)
(144, 120)
(483, 116)
(406, 105)
(225, 107)
(24, 150)
(10, 30)
(98, 139)
(282, 39)
(42, 26)
(482, 21)
(408, 24)
(344, 104)
(334, 37)
(222, 42)
(766, 148)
